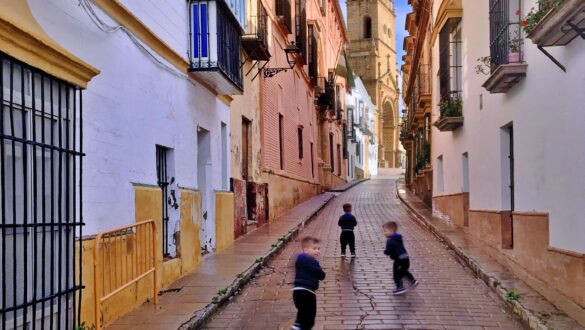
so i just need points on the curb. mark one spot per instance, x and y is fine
(202, 316)
(528, 317)
(348, 186)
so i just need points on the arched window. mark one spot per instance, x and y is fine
(367, 27)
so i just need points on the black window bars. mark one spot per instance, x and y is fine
(40, 199)
(162, 174)
(506, 42)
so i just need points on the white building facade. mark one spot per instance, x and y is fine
(362, 139)
(508, 165)
(154, 135)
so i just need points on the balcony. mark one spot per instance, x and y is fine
(283, 11)
(451, 113)
(216, 46)
(423, 86)
(506, 48)
(556, 23)
(324, 93)
(255, 38)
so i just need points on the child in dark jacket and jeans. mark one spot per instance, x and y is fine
(397, 252)
(308, 273)
(347, 222)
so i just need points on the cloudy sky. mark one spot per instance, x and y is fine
(401, 8)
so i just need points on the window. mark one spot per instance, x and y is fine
(312, 162)
(338, 159)
(313, 52)
(283, 11)
(301, 28)
(300, 141)
(367, 27)
(215, 44)
(440, 179)
(281, 140)
(331, 155)
(40, 192)
(450, 59)
(505, 33)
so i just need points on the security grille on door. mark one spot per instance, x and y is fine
(40, 193)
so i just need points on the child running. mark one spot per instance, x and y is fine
(347, 222)
(308, 273)
(397, 252)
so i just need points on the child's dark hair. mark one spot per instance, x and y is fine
(309, 240)
(347, 207)
(392, 225)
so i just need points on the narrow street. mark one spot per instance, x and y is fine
(356, 293)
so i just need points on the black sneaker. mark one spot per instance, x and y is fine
(414, 284)
(399, 291)
(353, 255)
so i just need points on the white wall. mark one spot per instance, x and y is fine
(130, 107)
(547, 109)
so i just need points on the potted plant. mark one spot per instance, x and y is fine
(516, 41)
(535, 16)
(450, 106)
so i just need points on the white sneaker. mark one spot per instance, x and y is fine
(343, 254)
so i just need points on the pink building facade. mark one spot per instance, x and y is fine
(302, 139)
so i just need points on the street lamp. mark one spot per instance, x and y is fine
(291, 52)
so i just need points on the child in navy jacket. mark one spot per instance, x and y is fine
(347, 222)
(308, 273)
(397, 252)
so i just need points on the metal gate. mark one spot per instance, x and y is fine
(40, 199)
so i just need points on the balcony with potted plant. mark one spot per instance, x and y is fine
(451, 114)
(555, 22)
(507, 66)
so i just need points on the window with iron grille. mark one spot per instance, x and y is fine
(313, 52)
(300, 141)
(506, 43)
(281, 140)
(40, 198)
(450, 59)
(301, 28)
(283, 11)
(163, 180)
(350, 123)
(331, 154)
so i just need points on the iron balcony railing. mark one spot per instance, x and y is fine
(423, 81)
(301, 29)
(216, 41)
(255, 38)
(506, 41)
(283, 11)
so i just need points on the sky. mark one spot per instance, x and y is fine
(401, 8)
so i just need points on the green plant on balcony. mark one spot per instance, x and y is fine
(419, 165)
(427, 153)
(535, 16)
(451, 106)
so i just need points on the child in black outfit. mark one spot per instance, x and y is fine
(347, 222)
(308, 273)
(397, 252)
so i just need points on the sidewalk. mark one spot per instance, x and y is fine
(532, 308)
(191, 300)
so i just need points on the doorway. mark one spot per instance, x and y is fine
(203, 181)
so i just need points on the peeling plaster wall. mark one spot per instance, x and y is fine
(132, 106)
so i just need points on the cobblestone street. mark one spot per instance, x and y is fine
(356, 293)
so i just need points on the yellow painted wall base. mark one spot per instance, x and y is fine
(224, 219)
(148, 206)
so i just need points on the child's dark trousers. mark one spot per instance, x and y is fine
(306, 304)
(347, 237)
(400, 271)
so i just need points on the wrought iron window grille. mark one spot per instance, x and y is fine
(40, 198)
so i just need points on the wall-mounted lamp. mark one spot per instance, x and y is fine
(291, 57)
